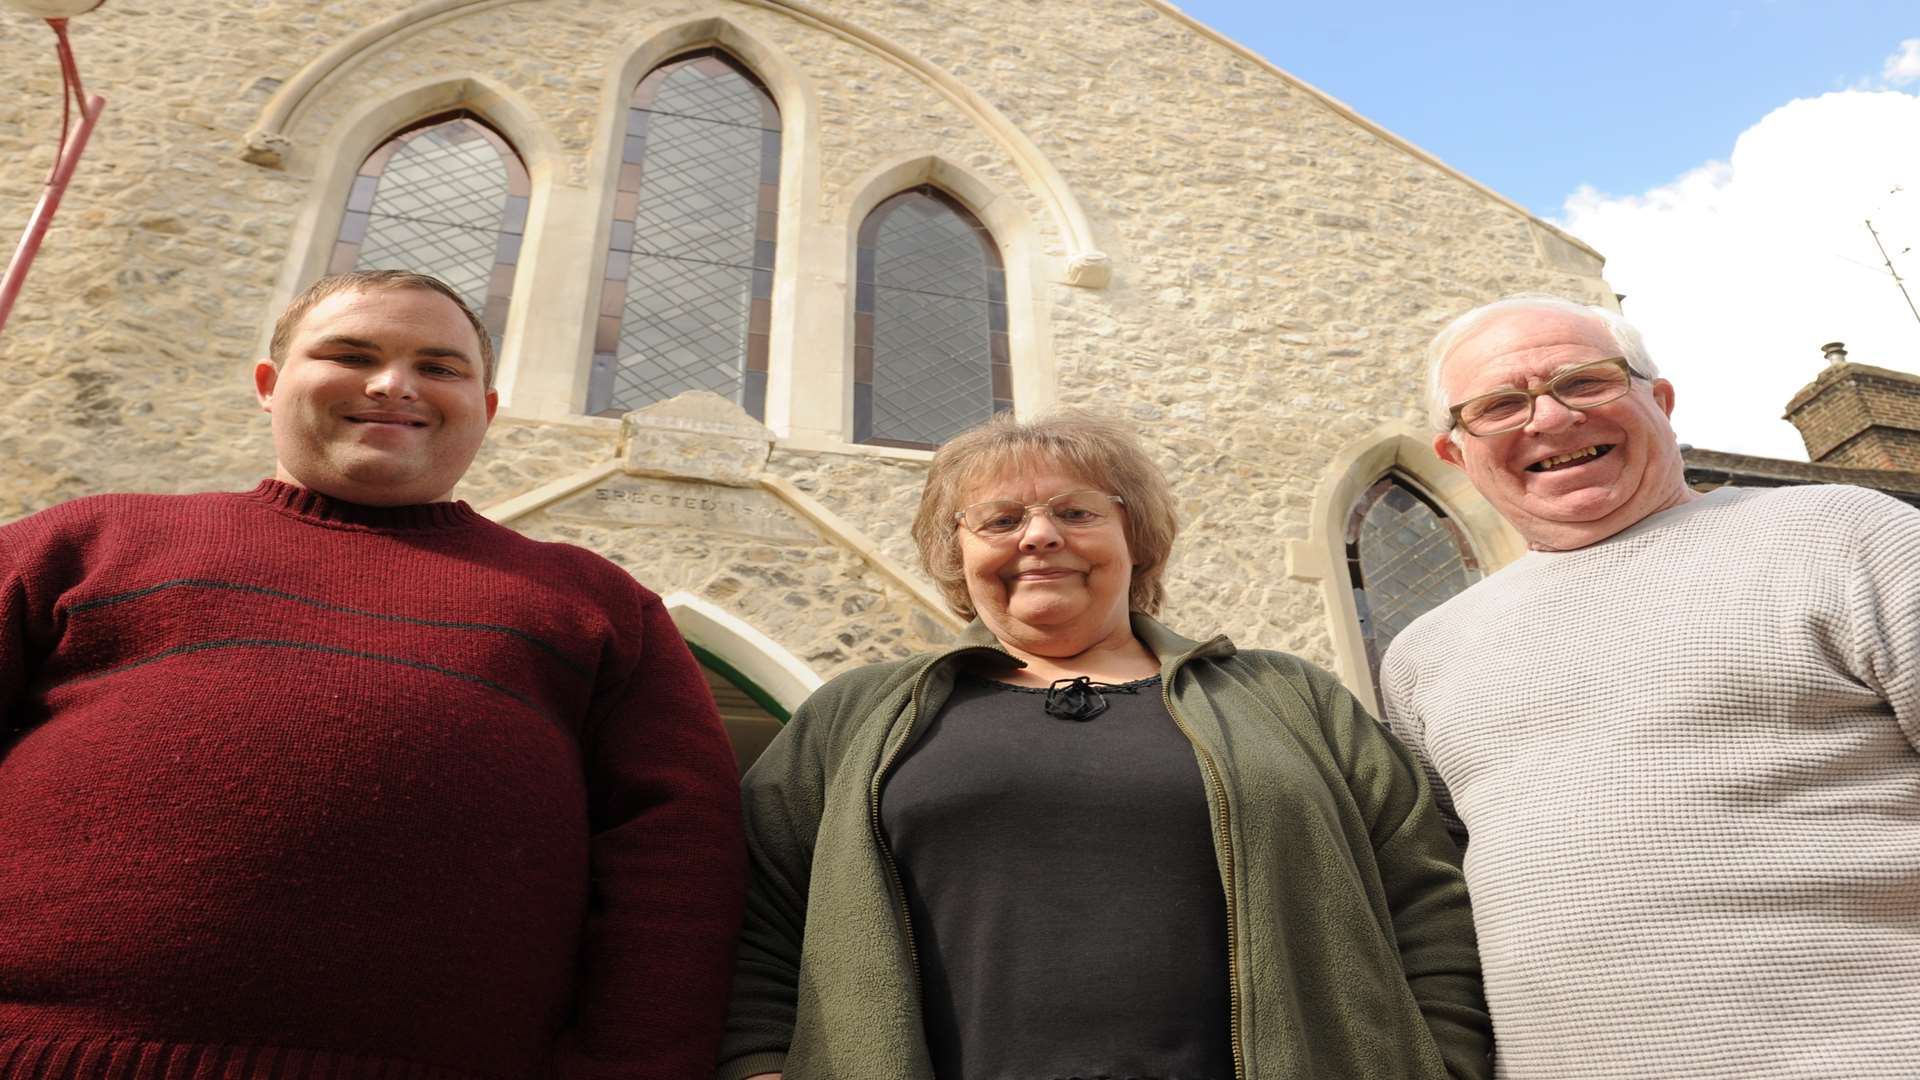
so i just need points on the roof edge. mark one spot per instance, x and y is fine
(1348, 111)
(1735, 466)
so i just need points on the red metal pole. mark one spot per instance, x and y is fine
(56, 184)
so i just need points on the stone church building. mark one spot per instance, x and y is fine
(747, 261)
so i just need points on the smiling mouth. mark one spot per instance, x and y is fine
(1569, 460)
(383, 421)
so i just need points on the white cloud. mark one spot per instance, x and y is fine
(1903, 67)
(1740, 269)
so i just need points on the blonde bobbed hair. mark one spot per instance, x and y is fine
(1102, 452)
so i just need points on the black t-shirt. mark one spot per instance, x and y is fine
(1065, 898)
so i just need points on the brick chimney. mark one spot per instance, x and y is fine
(1859, 416)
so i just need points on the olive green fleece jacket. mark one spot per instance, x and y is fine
(1351, 943)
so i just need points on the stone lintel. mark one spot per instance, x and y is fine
(686, 505)
(695, 436)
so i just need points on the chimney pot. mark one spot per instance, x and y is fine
(1835, 352)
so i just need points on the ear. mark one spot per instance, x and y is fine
(264, 377)
(493, 404)
(1663, 394)
(1449, 451)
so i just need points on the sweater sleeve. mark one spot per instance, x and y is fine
(668, 876)
(1419, 870)
(1404, 720)
(13, 639)
(1883, 607)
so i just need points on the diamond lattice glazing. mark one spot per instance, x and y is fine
(932, 373)
(697, 233)
(438, 209)
(1410, 562)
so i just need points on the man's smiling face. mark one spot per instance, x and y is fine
(381, 399)
(1570, 477)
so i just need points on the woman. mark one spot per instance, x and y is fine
(1080, 845)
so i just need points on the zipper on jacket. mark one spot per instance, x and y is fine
(1234, 1002)
(873, 807)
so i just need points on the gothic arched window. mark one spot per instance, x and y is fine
(446, 197)
(930, 354)
(1405, 557)
(688, 298)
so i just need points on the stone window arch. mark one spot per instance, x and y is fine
(688, 293)
(931, 356)
(1405, 557)
(445, 196)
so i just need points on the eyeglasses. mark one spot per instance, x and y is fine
(1584, 387)
(997, 519)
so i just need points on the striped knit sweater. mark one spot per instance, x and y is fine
(1687, 759)
(297, 788)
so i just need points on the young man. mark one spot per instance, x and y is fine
(336, 777)
(1683, 731)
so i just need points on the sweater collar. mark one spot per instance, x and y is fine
(311, 506)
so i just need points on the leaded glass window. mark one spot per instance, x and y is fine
(1405, 557)
(688, 297)
(930, 355)
(446, 197)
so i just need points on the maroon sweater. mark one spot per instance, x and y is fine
(299, 788)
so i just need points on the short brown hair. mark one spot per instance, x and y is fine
(373, 281)
(1100, 451)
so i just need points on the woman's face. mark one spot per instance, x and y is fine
(1049, 588)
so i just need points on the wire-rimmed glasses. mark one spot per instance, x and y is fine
(1581, 388)
(997, 519)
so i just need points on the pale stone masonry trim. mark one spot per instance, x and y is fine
(1033, 165)
(1347, 112)
(1321, 558)
(331, 167)
(268, 142)
(753, 654)
(845, 533)
(548, 493)
(1084, 266)
(831, 525)
(547, 338)
(1028, 269)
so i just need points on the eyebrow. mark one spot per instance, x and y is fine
(434, 351)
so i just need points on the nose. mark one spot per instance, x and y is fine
(1040, 534)
(392, 381)
(1550, 415)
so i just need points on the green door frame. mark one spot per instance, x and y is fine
(747, 686)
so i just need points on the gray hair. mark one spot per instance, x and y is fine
(1095, 449)
(1625, 338)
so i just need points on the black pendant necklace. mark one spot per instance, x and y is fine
(1079, 698)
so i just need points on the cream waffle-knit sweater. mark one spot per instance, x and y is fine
(1688, 757)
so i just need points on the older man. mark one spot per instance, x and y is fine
(334, 777)
(1683, 731)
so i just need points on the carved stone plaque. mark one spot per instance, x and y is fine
(680, 504)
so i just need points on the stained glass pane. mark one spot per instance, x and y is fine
(1406, 559)
(695, 218)
(930, 323)
(438, 207)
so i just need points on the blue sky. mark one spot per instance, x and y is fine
(1721, 157)
(1535, 99)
